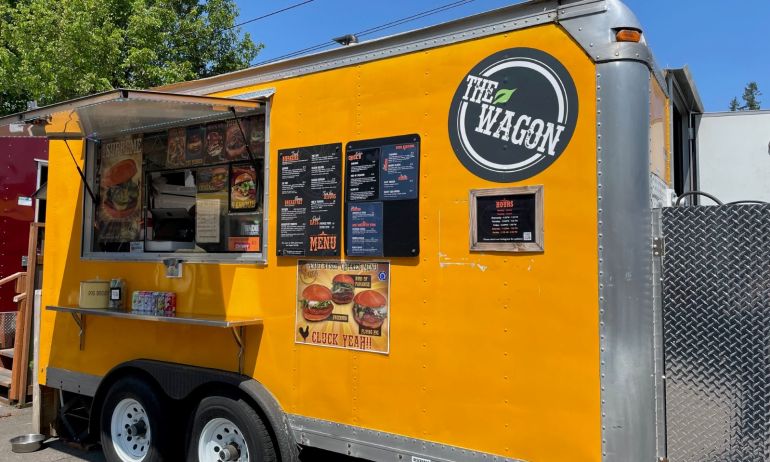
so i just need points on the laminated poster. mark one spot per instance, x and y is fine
(343, 304)
(175, 151)
(212, 179)
(194, 150)
(120, 190)
(243, 187)
(235, 144)
(215, 143)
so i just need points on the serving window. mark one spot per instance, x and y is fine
(195, 189)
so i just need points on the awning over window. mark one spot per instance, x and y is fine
(122, 112)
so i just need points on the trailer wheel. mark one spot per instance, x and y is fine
(131, 426)
(226, 429)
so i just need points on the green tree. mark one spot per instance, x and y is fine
(750, 94)
(53, 51)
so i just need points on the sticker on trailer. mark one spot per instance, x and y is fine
(24, 201)
(343, 304)
(513, 115)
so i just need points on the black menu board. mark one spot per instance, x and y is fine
(363, 174)
(507, 219)
(365, 229)
(309, 207)
(381, 193)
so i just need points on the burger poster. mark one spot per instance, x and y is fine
(243, 187)
(120, 190)
(343, 304)
(235, 144)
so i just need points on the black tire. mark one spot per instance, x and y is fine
(239, 412)
(155, 410)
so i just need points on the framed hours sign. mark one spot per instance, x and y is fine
(507, 219)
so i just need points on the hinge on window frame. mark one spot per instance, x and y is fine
(658, 246)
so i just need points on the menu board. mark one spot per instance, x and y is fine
(343, 304)
(120, 190)
(507, 219)
(382, 203)
(207, 212)
(363, 174)
(398, 179)
(365, 228)
(309, 208)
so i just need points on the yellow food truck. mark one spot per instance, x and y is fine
(433, 246)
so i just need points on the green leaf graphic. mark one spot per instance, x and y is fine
(502, 96)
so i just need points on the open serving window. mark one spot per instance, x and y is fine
(166, 176)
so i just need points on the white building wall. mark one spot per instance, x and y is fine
(733, 152)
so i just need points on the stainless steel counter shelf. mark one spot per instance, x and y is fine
(235, 324)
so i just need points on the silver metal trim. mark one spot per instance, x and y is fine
(86, 241)
(626, 301)
(589, 22)
(658, 251)
(75, 382)
(506, 19)
(595, 33)
(265, 93)
(377, 445)
(112, 95)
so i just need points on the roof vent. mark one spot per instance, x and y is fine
(346, 40)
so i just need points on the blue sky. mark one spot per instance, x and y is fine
(724, 43)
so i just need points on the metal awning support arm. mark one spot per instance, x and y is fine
(82, 175)
(245, 140)
(80, 170)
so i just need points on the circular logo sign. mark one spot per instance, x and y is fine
(513, 115)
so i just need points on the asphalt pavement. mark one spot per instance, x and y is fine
(15, 422)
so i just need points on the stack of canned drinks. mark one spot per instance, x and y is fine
(157, 303)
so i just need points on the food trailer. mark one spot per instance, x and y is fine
(434, 246)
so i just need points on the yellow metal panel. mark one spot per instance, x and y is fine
(492, 352)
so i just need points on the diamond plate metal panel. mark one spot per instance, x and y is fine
(716, 312)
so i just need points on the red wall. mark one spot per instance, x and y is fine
(18, 177)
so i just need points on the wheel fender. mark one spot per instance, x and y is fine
(178, 381)
(277, 419)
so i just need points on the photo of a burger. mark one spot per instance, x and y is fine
(194, 144)
(342, 289)
(244, 188)
(235, 145)
(121, 192)
(316, 302)
(218, 178)
(369, 309)
(215, 142)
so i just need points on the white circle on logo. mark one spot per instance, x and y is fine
(563, 112)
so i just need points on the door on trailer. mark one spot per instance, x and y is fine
(716, 312)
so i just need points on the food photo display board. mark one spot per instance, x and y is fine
(343, 304)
